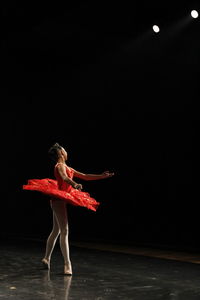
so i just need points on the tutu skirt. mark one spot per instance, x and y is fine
(72, 196)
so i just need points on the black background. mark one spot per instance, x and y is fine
(94, 77)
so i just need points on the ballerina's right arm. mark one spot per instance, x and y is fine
(63, 175)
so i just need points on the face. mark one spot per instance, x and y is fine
(64, 153)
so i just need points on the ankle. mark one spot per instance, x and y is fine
(46, 263)
(67, 269)
(46, 258)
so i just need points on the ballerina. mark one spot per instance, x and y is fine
(64, 190)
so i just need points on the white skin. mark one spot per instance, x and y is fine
(60, 217)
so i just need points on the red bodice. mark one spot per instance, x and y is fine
(63, 185)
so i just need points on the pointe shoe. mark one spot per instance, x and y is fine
(67, 270)
(46, 264)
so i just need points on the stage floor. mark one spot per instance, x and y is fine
(97, 275)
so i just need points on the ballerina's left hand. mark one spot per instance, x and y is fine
(107, 174)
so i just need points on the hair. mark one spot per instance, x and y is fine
(53, 151)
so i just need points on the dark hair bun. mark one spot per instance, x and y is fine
(53, 151)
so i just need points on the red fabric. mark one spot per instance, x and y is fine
(62, 190)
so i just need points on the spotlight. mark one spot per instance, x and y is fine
(156, 28)
(194, 14)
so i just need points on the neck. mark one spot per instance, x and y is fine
(61, 160)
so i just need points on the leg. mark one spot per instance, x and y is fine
(51, 241)
(60, 211)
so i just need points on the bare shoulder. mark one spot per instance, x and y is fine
(60, 166)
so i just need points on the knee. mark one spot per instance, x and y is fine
(64, 231)
(55, 232)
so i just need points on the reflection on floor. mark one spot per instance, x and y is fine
(97, 275)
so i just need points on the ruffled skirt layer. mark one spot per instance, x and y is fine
(50, 188)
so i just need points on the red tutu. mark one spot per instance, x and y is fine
(50, 187)
(68, 194)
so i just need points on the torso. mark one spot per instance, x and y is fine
(62, 185)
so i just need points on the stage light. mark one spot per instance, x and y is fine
(156, 28)
(194, 14)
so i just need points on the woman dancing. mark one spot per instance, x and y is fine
(63, 190)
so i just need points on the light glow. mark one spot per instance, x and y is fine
(156, 28)
(194, 14)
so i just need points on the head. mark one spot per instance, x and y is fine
(56, 152)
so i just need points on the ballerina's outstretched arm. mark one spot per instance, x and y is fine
(84, 176)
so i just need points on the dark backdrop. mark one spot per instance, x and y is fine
(95, 78)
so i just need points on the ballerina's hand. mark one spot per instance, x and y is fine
(78, 186)
(108, 174)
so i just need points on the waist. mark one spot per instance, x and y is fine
(64, 186)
